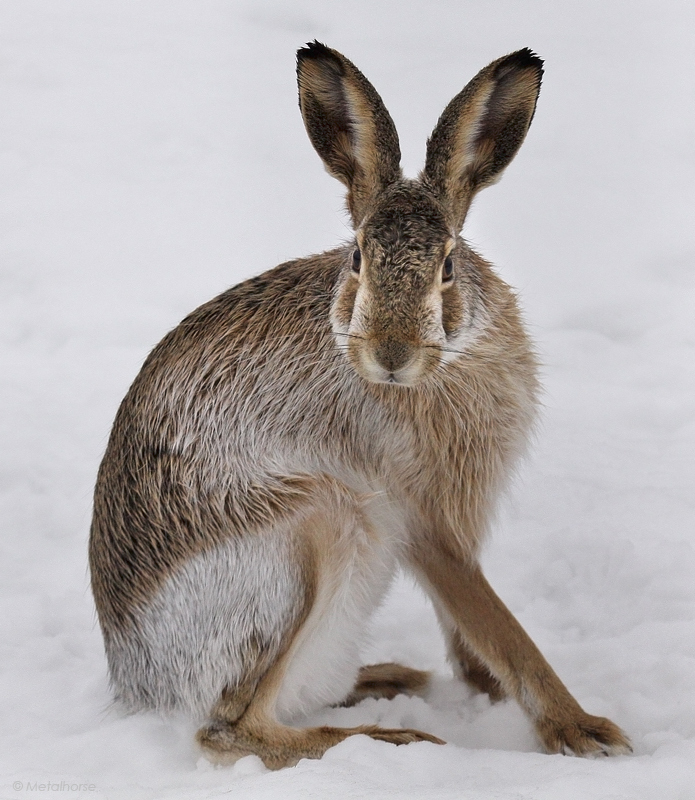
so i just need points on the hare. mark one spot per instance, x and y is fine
(299, 438)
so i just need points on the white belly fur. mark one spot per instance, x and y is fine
(192, 639)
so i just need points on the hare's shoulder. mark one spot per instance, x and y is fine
(286, 304)
(290, 295)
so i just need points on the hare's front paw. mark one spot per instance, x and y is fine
(584, 736)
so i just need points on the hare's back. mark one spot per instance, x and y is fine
(237, 352)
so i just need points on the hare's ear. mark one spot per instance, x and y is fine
(348, 125)
(481, 130)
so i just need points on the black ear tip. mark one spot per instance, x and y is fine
(314, 51)
(524, 59)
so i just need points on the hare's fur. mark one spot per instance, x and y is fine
(296, 439)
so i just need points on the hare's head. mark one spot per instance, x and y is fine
(409, 298)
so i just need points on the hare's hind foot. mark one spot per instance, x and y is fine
(231, 735)
(387, 680)
(280, 746)
(584, 736)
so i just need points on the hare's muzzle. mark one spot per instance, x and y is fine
(393, 356)
(390, 361)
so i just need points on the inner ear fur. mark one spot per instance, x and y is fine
(348, 125)
(481, 130)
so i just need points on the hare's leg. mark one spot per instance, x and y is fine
(347, 565)
(387, 680)
(467, 665)
(493, 636)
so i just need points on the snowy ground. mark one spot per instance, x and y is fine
(151, 154)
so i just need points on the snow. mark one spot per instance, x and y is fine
(151, 154)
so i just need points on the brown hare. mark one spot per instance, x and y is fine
(296, 440)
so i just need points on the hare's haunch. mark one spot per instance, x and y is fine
(298, 438)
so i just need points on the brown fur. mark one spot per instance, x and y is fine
(387, 680)
(302, 405)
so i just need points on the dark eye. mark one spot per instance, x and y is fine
(448, 269)
(356, 261)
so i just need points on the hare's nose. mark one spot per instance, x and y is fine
(393, 355)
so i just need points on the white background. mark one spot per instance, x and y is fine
(152, 154)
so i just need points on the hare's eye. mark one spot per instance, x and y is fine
(448, 269)
(356, 261)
